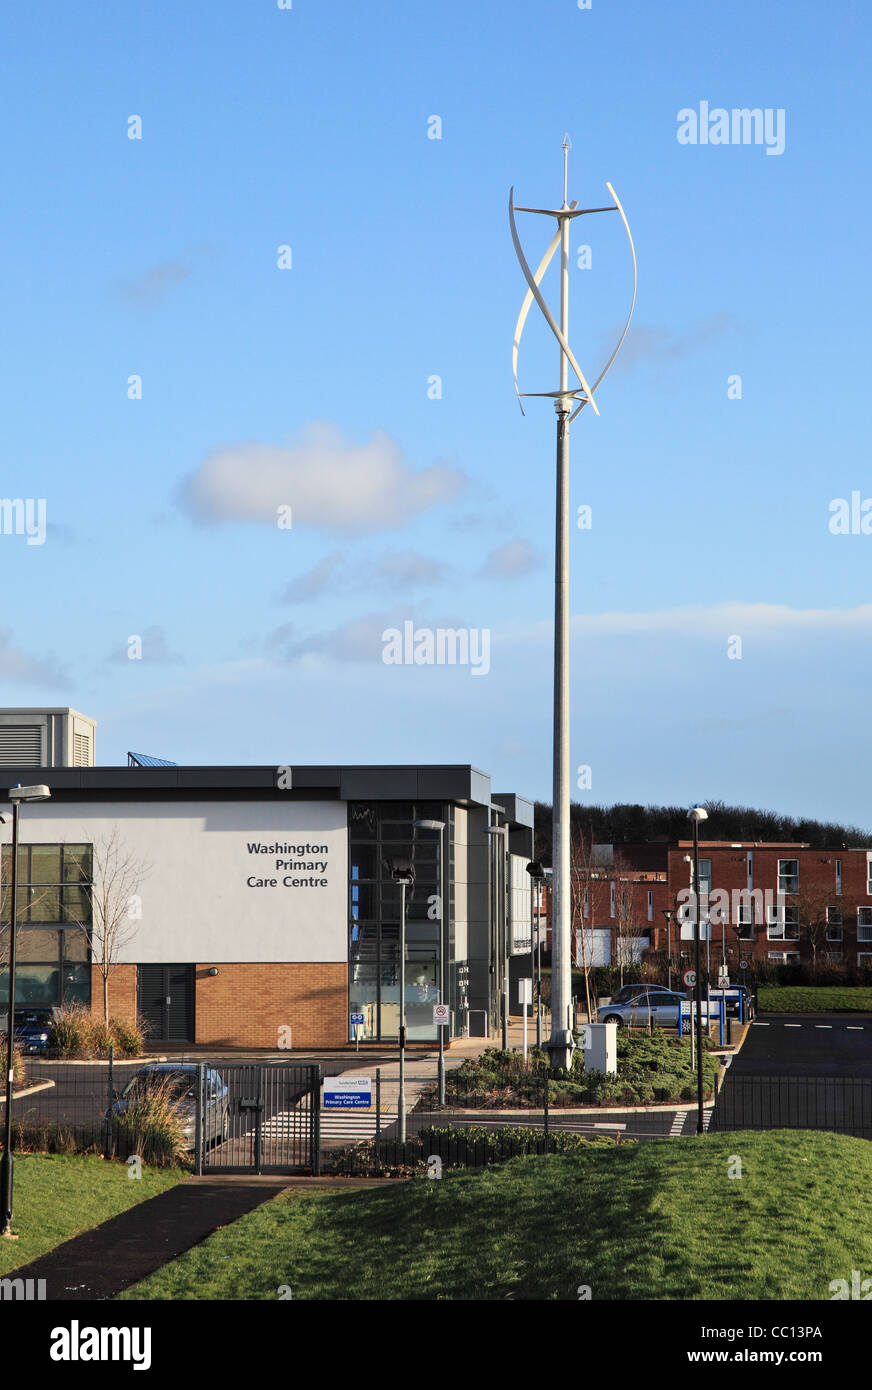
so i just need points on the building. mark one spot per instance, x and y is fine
(46, 738)
(783, 903)
(255, 905)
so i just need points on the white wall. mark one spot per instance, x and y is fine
(196, 903)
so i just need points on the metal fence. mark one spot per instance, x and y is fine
(841, 1104)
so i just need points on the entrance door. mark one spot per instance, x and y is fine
(166, 1001)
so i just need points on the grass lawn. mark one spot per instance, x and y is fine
(57, 1196)
(659, 1220)
(811, 999)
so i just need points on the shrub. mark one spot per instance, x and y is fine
(151, 1126)
(70, 1031)
(128, 1037)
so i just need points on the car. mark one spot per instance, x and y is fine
(33, 1029)
(638, 1006)
(179, 1080)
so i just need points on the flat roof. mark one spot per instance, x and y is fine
(460, 783)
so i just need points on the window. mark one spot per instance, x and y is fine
(785, 957)
(788, 875)
(650, 905)
(750, 871)
(586, 908)
(834, 957)
(839, 876)
(869, 873)
(705, 876)
(612, 900)
(864, 923)
(783, 923)
(745, 922)
(834, 924)
(54, 914)
(864, 958)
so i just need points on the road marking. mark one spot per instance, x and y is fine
(793, 1025)
(760, 1025)
(678, 1123)
(823, 1025)
(854, 1028)
(607, 1124)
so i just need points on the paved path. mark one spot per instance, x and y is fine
(101, 1263)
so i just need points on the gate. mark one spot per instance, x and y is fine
(258, 1117)
(841, 1104)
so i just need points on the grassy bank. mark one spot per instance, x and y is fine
(57, 1196)
(814, 999)
(661, 1220)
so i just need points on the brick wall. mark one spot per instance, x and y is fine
(246, 1005)
(122, 992)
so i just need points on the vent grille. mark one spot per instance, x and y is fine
(20, 745)
(81, 750)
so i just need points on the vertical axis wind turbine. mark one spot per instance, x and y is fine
(568, 401)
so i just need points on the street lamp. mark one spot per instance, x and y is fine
(402, 872)
(17, 794)
(697, 814)
(499, 886)
(443, 943)
(667, 913)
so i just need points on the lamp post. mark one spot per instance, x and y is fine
(402, 872)
(667, 913)
(16, 796)
(443, 943)
(568, 401)
(500, 888)
(697, 814)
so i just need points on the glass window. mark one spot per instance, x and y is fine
(75, 944)
(44, 902)
(77, 905)
(364, 861)
(45, 864)
(77, 863)
(788, 875)
(37, 945)
(77, 984)
(864, 923)
(705, 876)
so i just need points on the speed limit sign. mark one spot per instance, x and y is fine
(743, 965)
(689, 978)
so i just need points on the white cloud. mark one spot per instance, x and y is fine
(511, 560)
(329, 483)
(16, 665)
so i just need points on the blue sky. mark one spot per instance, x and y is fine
(308, 386)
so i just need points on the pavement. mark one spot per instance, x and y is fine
(103, 1262)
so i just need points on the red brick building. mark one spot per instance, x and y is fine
(785, 903)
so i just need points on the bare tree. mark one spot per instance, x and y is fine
(588, 888)
(630, 926)
(112, 899)
(812, 904)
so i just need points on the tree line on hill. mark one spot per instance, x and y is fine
(627, 823)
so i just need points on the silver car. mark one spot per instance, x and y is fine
(178, 1081)
(643, 1005)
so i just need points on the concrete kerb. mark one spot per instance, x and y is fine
(28, 1091)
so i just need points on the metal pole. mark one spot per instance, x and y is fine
(504, 915)
(6, 1170)
(560, 1042)
(377, 1117)
(401, 1102)
(443, 963)
(538, 971)
(700, 1128)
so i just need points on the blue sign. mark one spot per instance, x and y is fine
(358, 1019)
(348, 1093)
